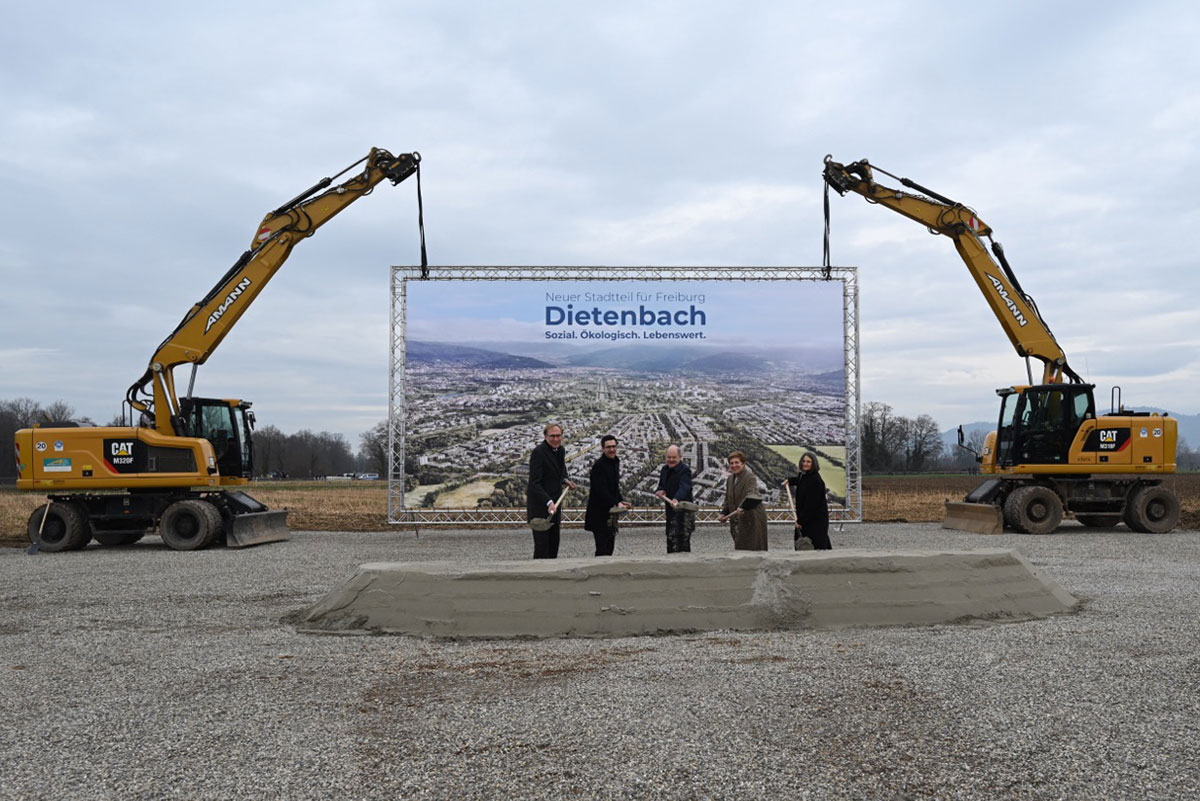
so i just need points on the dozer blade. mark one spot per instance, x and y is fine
(980, 518)
(255, 528)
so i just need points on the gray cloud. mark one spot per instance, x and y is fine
(139, 150)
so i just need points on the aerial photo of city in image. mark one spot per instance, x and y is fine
(713, 366)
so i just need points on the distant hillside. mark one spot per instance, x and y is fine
(728, 363)
(831, 377)
(462, 356)
(661, 357)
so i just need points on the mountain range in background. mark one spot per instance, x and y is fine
(465, 356)
(823, 364)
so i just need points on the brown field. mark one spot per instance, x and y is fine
(362, 506)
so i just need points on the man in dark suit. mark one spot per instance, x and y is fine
(547, 477)
(675, 485)
(604, 494)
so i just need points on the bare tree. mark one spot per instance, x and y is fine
(922, 443)
(374, 448)
(270, 445)
(1187, 458)
(883, 435)
(27, 411)
(57, 412)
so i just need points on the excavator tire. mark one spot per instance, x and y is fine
(1034, 509)
(189, 525)
(1099, 520)
(66, 527)
(1152, 509)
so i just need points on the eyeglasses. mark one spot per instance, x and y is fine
(554, 436)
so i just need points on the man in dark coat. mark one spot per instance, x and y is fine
(547, 478)
(603, 495)
(675, 485)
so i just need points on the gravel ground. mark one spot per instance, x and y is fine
(144, 673)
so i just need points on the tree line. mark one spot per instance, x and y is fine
(303, 455)
(891, 443)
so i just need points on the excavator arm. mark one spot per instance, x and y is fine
(210, 319)
(1016, 311)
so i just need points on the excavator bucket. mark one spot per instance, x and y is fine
(254, 523)
(979, 518)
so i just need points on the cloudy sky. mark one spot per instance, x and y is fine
(140, 145)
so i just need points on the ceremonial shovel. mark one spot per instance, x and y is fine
(544, 523)
(37, 542)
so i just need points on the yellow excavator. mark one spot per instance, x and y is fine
(1052, 453)
(175, 470)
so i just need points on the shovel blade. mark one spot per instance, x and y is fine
(978, 518)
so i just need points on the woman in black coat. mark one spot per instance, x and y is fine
(812, 510)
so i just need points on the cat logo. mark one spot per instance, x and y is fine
(122, 455)
(1110, 440)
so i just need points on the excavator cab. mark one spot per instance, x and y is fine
(1039, 423)
(227, 425)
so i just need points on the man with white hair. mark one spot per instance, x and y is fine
(674, 486)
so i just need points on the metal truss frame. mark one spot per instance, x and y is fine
(398, 514)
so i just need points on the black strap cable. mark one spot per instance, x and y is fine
(826, 265)
(421, 222)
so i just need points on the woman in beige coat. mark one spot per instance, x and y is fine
(743, 506)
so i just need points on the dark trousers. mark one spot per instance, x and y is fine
(605, 540)
(545, 543)
(818, 532)
(680, 525)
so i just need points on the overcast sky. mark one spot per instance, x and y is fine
(141, 144)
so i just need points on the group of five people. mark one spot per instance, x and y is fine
(743, 508)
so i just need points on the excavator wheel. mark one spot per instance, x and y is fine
(1033, 509)
(65, 529)
(1153, 509)
(189, 525)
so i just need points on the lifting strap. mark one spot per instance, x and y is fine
(421, 223)
(825, 263)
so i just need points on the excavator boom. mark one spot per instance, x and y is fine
(207, 322)
(1016, 311)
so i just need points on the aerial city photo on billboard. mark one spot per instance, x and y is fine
(711, 364)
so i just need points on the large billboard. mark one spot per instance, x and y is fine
(760, 360)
